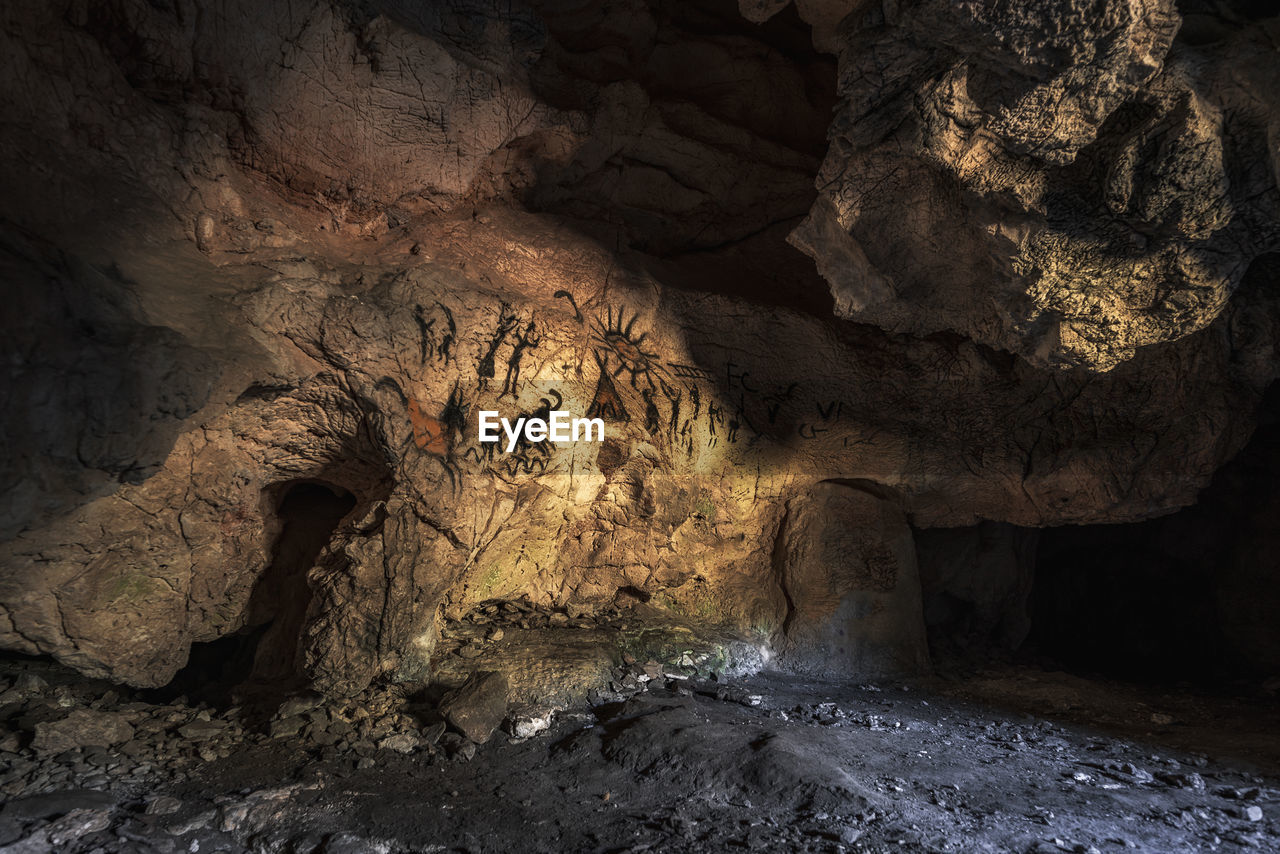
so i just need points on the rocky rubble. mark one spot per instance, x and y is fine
(495, 617)
(554, 657)
(86, 754)
(73, 731)
(149, 744)
(105, 736)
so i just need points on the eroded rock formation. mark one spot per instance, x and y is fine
(250, 248)
(1067, 181)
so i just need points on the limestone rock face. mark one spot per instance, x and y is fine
(254, 248)
(849, 571)
(1064, 180)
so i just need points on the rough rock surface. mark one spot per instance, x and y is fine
(850, 575)
(1066, 180)
(250, 248)
(81, 729)
(478, 706)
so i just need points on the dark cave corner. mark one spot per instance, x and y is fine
(258, 664)
(1183, 600)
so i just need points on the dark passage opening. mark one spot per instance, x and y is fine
(309, 513)
(1185, 598)
(262, 658)
(1126, 601)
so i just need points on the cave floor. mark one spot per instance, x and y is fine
(1011, 759)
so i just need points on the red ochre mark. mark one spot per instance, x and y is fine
(428, 433)
(233, 520)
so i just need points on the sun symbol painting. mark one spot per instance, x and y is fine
(620, 349)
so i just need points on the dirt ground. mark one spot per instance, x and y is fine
(1009, 760)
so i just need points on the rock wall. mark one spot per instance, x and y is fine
(254, 247)
(848, 563)
(977, 584)
(1068, 181)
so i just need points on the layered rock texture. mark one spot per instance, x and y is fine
(260, 252)
(1067, 181)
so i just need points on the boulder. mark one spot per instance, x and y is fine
(477, 707)
(82, 728)
(849, 570)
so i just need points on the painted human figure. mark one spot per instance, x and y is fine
(524, 341)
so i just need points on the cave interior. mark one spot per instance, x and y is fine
(934, 348)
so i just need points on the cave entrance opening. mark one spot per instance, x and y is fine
(1121, 601)
(261, 660)
(1186, 597)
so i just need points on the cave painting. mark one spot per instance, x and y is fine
(607, 403)
(429, 433)
(436, 334)
(619, 344)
